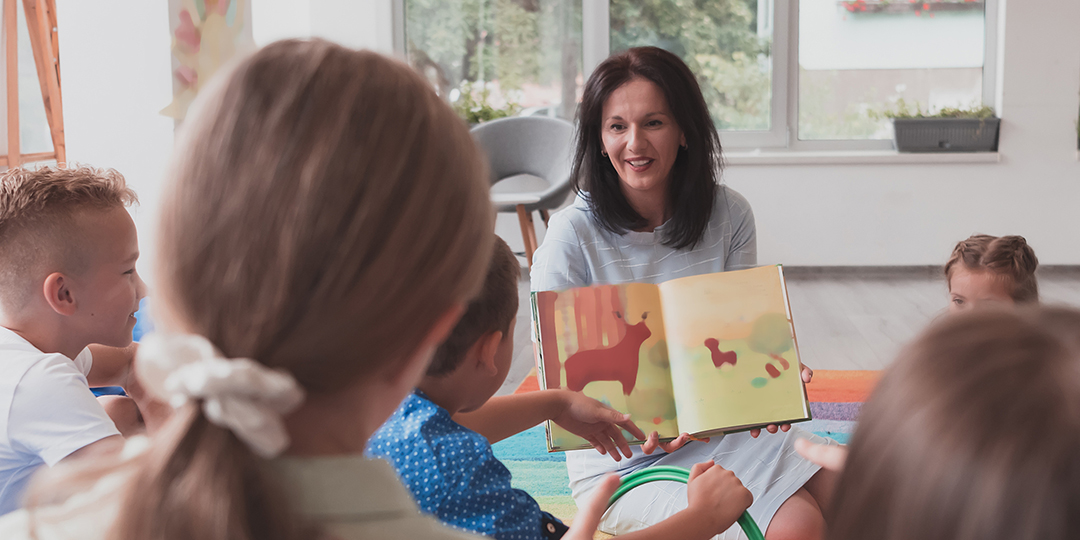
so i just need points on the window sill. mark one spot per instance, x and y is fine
(854, 157)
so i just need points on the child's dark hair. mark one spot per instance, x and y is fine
(491, 311)
(1009, 256)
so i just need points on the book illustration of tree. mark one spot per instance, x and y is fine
(771, 336)
(615, 363)
(658, 355)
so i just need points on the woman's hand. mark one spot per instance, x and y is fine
(829, 457)
(597, 423)
(716, 496)
(590, 513)
(806, 374)
(653, 442)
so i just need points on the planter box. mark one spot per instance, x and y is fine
(946, 134)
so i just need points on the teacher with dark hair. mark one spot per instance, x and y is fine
(650, 208)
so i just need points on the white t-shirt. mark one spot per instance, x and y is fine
(46, 412)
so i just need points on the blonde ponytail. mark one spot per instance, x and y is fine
(199, 481)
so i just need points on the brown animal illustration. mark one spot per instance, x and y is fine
(617, 363)
(719, 358)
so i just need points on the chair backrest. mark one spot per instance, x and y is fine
(534, 145)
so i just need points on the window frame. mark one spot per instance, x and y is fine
(783, 134)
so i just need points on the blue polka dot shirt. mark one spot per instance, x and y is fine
(453, 473)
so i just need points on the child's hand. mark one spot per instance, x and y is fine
(829, 457)
(653, 442)
(155, 413)
(589, 514)
(597, 423)
(806, 374)
(716, 496)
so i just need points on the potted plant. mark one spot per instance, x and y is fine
(966, 129)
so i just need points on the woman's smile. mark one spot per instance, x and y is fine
(640, 164)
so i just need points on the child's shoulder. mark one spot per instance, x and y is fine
(422, 434)
(419, 421)
(25, 364)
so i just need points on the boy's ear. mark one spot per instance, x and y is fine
(486, 348)
(58, 294)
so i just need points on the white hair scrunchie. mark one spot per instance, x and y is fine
(238, 394)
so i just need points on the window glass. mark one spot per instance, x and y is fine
(726, 43)
(492, 58)
(864, 56)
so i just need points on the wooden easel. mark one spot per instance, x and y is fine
(41, 27)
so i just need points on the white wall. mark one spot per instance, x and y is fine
(115, 75)
(353, 23)
(115, 69)
(914, 214)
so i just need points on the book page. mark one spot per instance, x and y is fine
(608, 342)
(734, 363)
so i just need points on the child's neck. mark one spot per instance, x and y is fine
(445, 392)
(45, 336)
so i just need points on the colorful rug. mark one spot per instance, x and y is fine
(835, 400)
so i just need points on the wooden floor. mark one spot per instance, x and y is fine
(846, 318)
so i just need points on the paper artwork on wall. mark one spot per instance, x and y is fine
(206, 35)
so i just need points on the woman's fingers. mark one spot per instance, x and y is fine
(589, 514)
(771, 428)
(830, 457)
(652, 442)
(807, 374)
(676, 443)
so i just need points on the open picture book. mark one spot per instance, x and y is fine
(704, 354)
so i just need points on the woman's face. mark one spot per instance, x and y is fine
(640, 137)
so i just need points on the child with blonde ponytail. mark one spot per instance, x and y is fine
(325, 222)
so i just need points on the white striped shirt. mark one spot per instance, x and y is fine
(578, 252)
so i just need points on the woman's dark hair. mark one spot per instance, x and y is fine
(697, 167)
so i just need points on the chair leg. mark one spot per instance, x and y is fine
(545, 215)
(528, 232)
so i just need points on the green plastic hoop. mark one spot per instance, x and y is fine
(676, 474)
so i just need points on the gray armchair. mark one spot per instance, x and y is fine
(535, 146)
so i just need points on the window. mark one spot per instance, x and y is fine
(797, 74)
(498, 57)
(861, 56)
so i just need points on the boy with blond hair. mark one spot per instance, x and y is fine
(439, 439)
(67, 279)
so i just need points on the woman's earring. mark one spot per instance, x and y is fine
(683, 146)
(603, 153)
